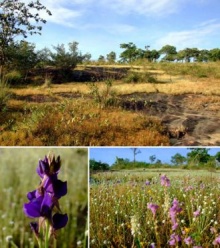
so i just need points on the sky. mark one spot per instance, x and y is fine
(100, 26)
(108, 155)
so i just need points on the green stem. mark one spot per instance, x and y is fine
(13, 244)
(47, 234)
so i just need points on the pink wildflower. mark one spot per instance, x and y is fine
(165, 181)
(188, 241)
(174, 239)
(153, 208)
(216, 241)
(196, 213)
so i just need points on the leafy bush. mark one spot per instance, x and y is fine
(137, 77)
(13, 77)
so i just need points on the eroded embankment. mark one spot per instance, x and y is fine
(189, 119)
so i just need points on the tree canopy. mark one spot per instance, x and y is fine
(18, 19)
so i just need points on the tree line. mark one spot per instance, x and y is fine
(18, 20)
(196, 158)
(168, 53)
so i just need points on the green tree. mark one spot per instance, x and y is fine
(22, 57)
(111, 57)
(18, 19)
(152, 158)
(198, 156)
(135, 151)
(62, 58)
(101, 59)
(43, 57)
(178, 159)
(169, 52)
(214, 54)
(203, 55)
(131, 53)
(95, 165)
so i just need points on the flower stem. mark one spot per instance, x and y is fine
(13, 244)
(47, 234)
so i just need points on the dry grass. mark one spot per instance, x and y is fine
(80, 122)
(76, 120)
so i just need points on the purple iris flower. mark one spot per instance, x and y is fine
(44, 199)
(165, 181)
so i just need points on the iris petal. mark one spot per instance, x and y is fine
(60, 188)
(59, 220)
(32, 209)
(31, 195)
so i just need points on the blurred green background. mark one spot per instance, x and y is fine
(18, 176)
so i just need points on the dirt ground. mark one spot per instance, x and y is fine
(189, 119)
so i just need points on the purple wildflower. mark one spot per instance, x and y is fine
(174, 239)
(147, 182)
(188, 241)
(153, 207)
(44, 200)
(188, 188)
(174, 210)
(152, 245)
(175, 226)
(196, 213)
(216, 241)
(165, 181)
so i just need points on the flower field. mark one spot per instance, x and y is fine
(155, 208)
(18, 176)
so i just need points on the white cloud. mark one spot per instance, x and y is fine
(196, 37)
(144, 7)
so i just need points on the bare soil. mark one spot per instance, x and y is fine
(189, 119)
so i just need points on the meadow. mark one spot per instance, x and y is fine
(155, 208)
(152, 104)
(18, 177)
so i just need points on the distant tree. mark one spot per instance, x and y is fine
(203, 56)
(86, 57)
(66, 59)
(198, 156)
(135, 151)
(101, 59)
(158, 162)
(111, 57)
(217, 156)
(169, 52)
(43, 57)
(178, 159)
(152, 158)
(18, 19)
(130, 53)
(95, 165)
(214, 54)
(22, 57)
(190, 54)
(155, 55)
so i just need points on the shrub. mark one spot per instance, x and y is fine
(13, 77)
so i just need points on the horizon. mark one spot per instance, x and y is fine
(100, 27)
(108, 155)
